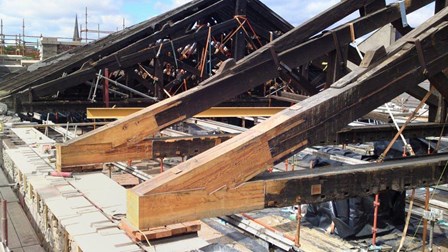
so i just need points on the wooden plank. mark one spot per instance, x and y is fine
(229, 165)
(159, 232)
(353, 181)
(126, 179)
(134, 128)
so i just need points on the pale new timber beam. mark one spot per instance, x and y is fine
(248, 73)
(156, 148)
(192, 146)
(114, 113)
(220, 173)
(285, 189)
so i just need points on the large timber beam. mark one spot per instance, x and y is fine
(114, 113)
(371, 133)
(222, 170)
(157, 148)
(285, 189)
(234, 80)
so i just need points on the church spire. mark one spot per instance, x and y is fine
(76, 36)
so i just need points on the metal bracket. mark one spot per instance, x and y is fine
(404, 19)
(421, 56)
(275, 58)
(433, 215)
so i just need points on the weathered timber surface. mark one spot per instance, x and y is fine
(227, 166)
(306, 122)
(362, 134)
(324, 184)
(132, 129)
(284, 189)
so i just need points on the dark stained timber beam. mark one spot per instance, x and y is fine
(377, 5)
(239, 42)
(363, 134)
(440, 82)
(419, 92)
(248, 73)
(324, 184)
(224, 169)
(284, 189)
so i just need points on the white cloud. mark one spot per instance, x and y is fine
(298, 11)
(56, 17)
(180, 2)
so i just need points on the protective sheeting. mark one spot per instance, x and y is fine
(353, 217)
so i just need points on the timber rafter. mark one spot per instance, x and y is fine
(220, 174)
(234, 79)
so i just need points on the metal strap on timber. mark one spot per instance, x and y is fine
(275, 58)
(421, 57)
(117, 60)
(337, 45)
(353, 37)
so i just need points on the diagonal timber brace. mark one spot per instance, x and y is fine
(217, 175)
(130, 130)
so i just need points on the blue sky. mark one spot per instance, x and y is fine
(56, 17)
